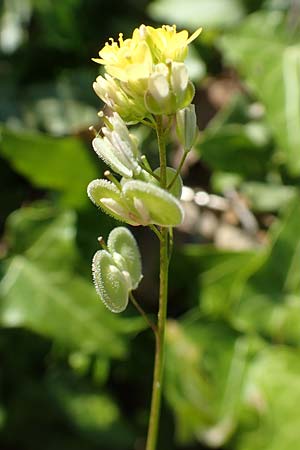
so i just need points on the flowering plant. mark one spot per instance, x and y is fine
(145, 81)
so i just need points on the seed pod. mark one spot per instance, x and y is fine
(162, 207)
(176, 189)
(122, 243)
(110, 283)
(108, 197)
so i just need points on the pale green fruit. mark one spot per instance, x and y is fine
(123, 247)
(153, 205)
(111, 284)
(176, 189)
(108, 197)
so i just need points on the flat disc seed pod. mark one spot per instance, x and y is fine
(176, 189)
(121, 242)
(163, 208)
(117, 270)
(110, 283)
(108, 197)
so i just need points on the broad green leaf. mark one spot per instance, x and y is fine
(45, 235)
(271, 397)
(243, 149)
(205, 369)
(68, 311)
(41, 291)
(269, 59)
(261, 292)
(268, 197)
(195, 13)
(61, 165)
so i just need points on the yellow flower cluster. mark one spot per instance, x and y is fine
(131, 65)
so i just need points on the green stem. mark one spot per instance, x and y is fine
(162, 151)
(178, 169)
(142, 312)
(163, 298)
(160, 344)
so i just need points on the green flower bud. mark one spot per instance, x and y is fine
(186, 126)
(169, 88)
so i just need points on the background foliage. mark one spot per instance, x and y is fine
(75, 376)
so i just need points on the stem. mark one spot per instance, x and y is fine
(155, 230)
(178, 169)
(142, 312)
(160, 344)
(162, 151)
(163, 298)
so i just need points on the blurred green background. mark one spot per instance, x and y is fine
(73, 375)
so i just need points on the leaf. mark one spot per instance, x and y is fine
(271, 398)
(205, 396)
(260, 293)
(270, 62)
(243, 149)
(47, 296)
(61, 164)
(268, 197)
(269, 302)
(195, 13)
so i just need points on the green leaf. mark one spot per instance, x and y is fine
(271, 398)
(269, 60)
(205, 396)
(243, 149)
(195, 13)
(61, 165)
(45, 294)
(268, 197)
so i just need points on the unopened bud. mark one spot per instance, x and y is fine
(169, 89)
(186, 126)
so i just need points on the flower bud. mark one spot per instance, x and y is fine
(169, 88)
(186, 126)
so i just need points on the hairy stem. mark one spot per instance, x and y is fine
(162, 313)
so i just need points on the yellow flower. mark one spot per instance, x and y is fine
(166, 43)
(130, 63)
(127, 60)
